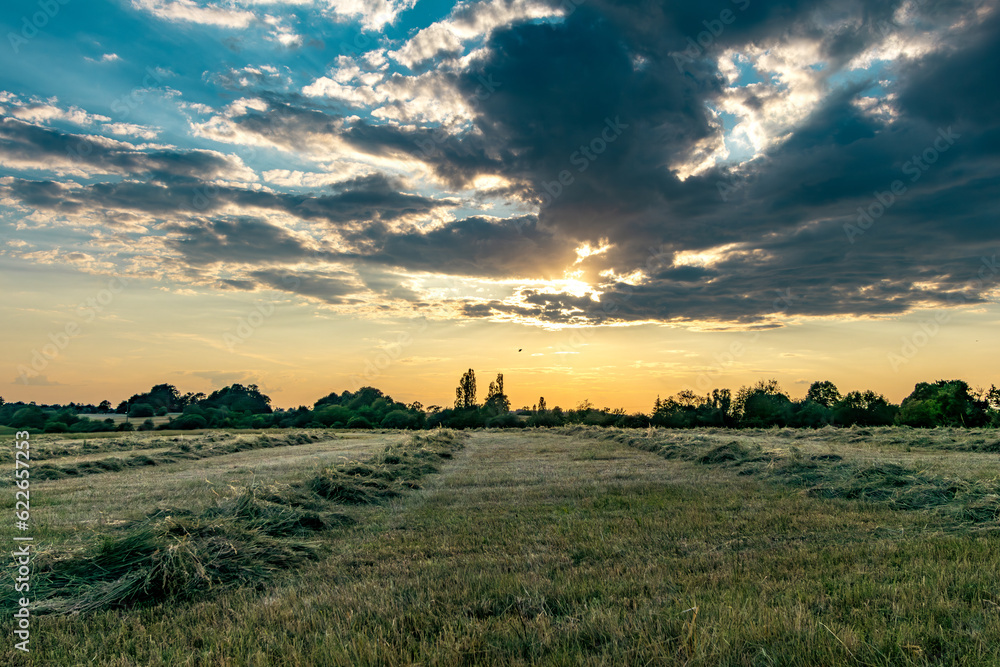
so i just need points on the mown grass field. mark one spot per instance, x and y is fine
(577, 546)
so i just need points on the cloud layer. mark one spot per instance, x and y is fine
(719, 164)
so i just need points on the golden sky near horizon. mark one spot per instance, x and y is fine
(297, 353)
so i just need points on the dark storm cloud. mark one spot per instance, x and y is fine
(793, 209)
(958, 87)
(512, 248)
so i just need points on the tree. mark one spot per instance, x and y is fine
(949, 403)
(919, 414)
(161, 395)
(763, 405)
(105, 407)
(722, 400)
(465, 394)
(541, 404)
(496, 400)
(823, 392)
(238, 398)
(688, 399)
(810, 414)
(991, 396)
(866, 408)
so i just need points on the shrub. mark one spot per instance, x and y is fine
(400, 419)
(506, 420)
(920, 414)
(29, 417)
(141, 410)
(359, 422)
(189, 421)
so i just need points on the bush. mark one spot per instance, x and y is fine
(810, 414)
(56, 427)
(545, 419)
(400, 419)
(507, 420)
(29, 417)
(359, 422)
(87, 426)
(189, 422)
(146, 425)
(920, 414)
(332, 414)
(140, 410)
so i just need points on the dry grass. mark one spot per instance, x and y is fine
(540, 548)
(175, 555)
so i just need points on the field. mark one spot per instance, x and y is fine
(557, 547)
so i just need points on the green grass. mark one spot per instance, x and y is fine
(564, 549)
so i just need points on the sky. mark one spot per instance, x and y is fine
(602, 200)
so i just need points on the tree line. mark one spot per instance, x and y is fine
(762, 405)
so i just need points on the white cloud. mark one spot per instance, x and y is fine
(38, 111)
(431, 97)
(372, 14)
(188, 11)
(282, 33)
(106, 58)
(129, 129)
(333, 173)
(469, 21)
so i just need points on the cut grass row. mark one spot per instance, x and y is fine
(960, 500)
(185, 451)
(241, 541)
(52, 448)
